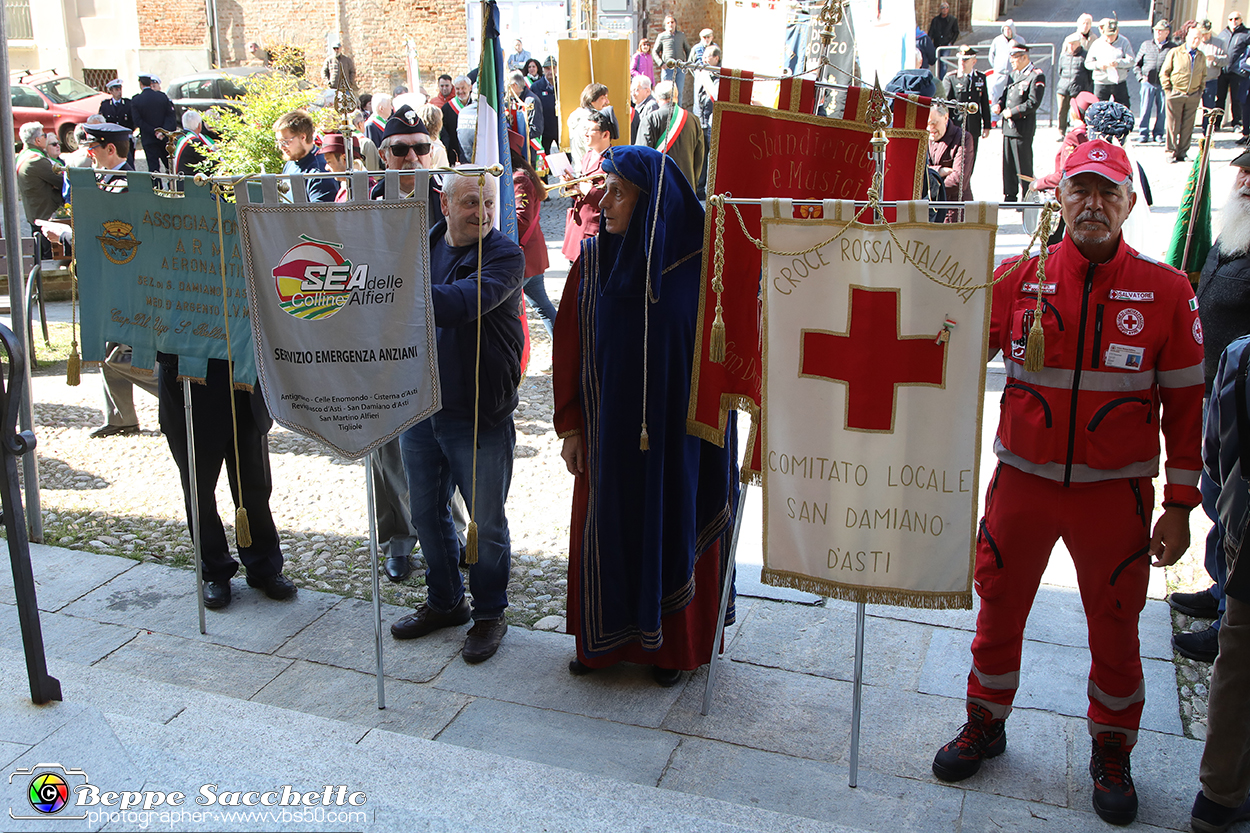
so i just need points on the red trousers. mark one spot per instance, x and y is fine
(1106, 527)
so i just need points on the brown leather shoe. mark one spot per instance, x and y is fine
(483, 639)
(427, 620)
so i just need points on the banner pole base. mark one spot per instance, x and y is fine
(195, 504)
(377, 589)
(858, 693)
(730, 574)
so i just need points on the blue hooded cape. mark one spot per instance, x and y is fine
(650, 514)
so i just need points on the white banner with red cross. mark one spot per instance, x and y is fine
(874, 376)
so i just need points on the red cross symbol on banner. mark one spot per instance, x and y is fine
(872, 359)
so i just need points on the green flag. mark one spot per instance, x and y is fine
(1199, 216)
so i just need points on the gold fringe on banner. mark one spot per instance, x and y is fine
(958, 600)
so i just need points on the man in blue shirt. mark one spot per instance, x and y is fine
(293, 134)
(470, 443)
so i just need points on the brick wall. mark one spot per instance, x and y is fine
(373, 33)
(691, 16)
(165, 23)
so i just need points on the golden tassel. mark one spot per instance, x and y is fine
(1035, 348)
(242, 529)
(644, 440)
(470, 546)
(73, 367)
(716, 350)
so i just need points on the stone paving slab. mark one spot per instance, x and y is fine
(164, 599)
(81, 641)
(351, 696)
(598, 747)
(167, 770)
(813, 789)
(344, 637)
(1054, 678)
(901, 731)
(768, 709)
(821, 642)
(994, 814)
(85, 742)
(110, 691)
(21, 721)
(9, 752)
(531, 669)
(519, 795)
(198, 665)
(62, 575)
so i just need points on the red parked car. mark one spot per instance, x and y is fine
(56, 101)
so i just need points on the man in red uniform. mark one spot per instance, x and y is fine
(1078, 444)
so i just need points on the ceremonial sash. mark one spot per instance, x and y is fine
(380, 122)
(675, 125)
(456, 106)
(187, 139)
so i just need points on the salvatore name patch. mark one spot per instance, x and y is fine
(1131, 295)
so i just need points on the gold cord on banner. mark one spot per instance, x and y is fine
(874, 203)
(470, 546)
(1035, 347)
(73, 367)
(644, 439)
(716, 349)
(242, 529)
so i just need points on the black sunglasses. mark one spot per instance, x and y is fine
(401, 150)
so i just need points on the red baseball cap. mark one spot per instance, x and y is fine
(1098, 157)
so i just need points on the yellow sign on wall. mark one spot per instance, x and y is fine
(597, 61)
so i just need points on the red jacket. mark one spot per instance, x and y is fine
(1122, 337)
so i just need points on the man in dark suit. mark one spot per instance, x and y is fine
(1017, 107)
(152, 110)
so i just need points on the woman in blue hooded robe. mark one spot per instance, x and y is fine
(652, 506)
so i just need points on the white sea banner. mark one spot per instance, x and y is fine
(873, 384)
(340, 305)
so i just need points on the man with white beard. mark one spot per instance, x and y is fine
(1224, 308)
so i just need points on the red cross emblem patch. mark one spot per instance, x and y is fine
(1130, 321)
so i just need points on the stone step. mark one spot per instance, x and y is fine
(130, 733)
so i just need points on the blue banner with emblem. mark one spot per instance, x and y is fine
(161, 271)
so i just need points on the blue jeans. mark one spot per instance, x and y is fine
(438, 455)
(1216, 564)
(535, 289)
(678, 77)
(1151, 99)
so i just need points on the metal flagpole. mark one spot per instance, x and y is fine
(731, 571)
(195, 503)
(879, 141)
(377, 590)
(1198, 186)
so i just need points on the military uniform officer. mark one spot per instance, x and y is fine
(1018, 108)
(970, 86)
(116, 110)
